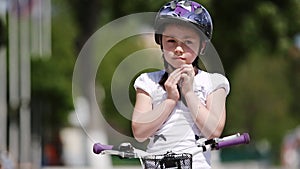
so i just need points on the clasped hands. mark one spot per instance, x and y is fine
(181, 78)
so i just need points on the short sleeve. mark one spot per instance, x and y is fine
(220, 81)
(140, 82)
(149, 82)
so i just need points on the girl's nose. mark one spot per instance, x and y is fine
(178, 50)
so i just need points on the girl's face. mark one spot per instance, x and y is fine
(180, 45)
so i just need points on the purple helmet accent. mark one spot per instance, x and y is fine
(184, 10)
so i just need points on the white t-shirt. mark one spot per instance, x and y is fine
(178, 132)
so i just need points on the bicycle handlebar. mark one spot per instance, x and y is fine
(242, 139)
(98, 148)
(129, 150)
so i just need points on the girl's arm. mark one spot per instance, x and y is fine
(145, 120)
(210, 119)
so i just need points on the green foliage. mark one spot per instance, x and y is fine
(117, 9)
(106, 71)
(260, 100)
(52, 78)
(241, 27)
(254, 41)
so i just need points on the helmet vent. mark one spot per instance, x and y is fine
(173, 5)
(198, 10)
(187, 11)
(187, 3)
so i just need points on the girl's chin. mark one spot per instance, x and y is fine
(171, 68)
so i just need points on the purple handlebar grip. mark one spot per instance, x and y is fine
(242, 139)
(98, 148)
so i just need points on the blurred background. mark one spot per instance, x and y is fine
(258, 42)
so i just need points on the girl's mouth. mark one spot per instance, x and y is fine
(181, 58)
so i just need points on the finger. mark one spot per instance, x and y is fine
(187, 68)
(175, 75)
(188, 71)
(176, 72)
(174, 79)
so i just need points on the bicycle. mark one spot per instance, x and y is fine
(170, 160)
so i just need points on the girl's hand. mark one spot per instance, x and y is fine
(186, 79)
(171, 85)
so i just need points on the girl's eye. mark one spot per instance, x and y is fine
(171, 40)
(188, 42)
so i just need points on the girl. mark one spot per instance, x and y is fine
(180, 104)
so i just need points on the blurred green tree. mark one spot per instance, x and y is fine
(51, 78)
(256, 44)
(90, 18)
